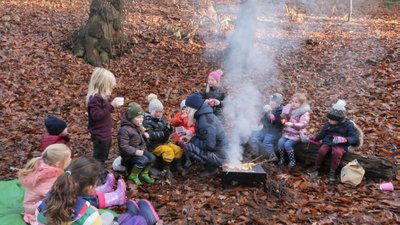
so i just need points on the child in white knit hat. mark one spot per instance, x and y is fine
(159, 130)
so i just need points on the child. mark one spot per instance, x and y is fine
(214, 93)
(337, 134)
(39, 175)
(66, 202)
(57, 132)
(159, 131)
(181, 123)
(99, 108)
(132, 146)
(272, 128)
(295, 118)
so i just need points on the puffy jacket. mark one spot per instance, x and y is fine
(130, 138)
(158, 130)
(100, 121)
(273, 126)
(345, 129)
(300, 118)
(217, 93)
(37, 184)
(210, 134)
(49, 139)
(178, 121)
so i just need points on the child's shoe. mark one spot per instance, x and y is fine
(134, 176)
(148, 212)
(108, 184)
(145, 176)
(118, 197)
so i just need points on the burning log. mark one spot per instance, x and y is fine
(375, 167)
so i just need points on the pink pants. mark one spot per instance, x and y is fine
(337, 153)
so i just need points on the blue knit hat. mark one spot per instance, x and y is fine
(54, 125)
(194, 101)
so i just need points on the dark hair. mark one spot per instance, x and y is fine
(79, 175)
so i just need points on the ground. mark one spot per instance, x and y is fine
(170, 54)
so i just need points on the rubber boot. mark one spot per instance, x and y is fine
(145, 176)
(148, 212)
(272, 157)
(133, 207)
(281, 157)
(135, 175)
(108, 184)
(292, 160)
(117, 197)
(167, 172)
(332, 176)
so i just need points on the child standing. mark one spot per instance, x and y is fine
(181, 123)
(66, 202)
(272, 128)
(57, 132)
(337, 134)
(214, 93)
(39, 175)
(295, 117)
(99, 108)
(132, 145)
(159, 131)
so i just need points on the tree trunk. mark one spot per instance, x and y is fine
(375, 167)
(96, 41)
(350, 10)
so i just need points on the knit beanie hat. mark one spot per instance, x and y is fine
(54, 125)
(276, 97)
(216, 75)
(134, 110)
(182, 104)
(194, 101)
(338, 111)
(154, 103)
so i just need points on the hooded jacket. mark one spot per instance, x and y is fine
(37, 184)
(345, 129)
(157, 129)
(300, 118)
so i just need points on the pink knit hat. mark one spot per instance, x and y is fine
(216, 75)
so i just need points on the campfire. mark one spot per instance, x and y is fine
(243, 167)
(246, 173)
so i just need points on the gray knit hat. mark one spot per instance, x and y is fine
(154, 103)
(276, 97)
(338, 111)
(134, 110)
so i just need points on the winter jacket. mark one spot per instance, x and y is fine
(158, 130)
(210, 134)
(49, 139)
(36, 186)
(178, 121)
(217, 93)
(300, 118)
(130, 138)
(345, 129)
(100, 121)
(275, 126)
(85, 213)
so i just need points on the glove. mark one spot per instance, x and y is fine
(339, 140)
(216, 102)
(271, 117)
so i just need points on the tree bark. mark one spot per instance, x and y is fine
(375, 167)
(96, 41)
(350, 10)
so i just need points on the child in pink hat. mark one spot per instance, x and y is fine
(214, 93)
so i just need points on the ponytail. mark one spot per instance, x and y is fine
(30, 167)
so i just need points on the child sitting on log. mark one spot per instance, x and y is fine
(337, 134)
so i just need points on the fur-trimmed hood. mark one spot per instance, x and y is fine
(301, 110)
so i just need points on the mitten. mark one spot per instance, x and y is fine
(339, 140)
(271, 117)
(289, 124)
(216, 102)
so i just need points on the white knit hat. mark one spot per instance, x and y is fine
(154, 103)
(183, 104)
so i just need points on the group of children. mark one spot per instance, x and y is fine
(72, 191)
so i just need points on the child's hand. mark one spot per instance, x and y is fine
(184, 114)
(139, 152)
(339, 140)
(189, 133)
(211, 102)
(146, 135)
(271, 117)
(289, 124)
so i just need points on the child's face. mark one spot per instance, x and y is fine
(184, 110)
(296, 104)
(138, 121)
(65, 132)
(212, 82)
(159, 113)
(332, 122)
(273, 104)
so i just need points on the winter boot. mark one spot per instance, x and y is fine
(108, 184)
(148, 212)
(208, 171)
(145, 176)
(135, 175)
(166, 172)
(281, 157)
(292, 160)
(272, 157)
(117, 197)
(313, 170)
(332, 176)
(133, 207)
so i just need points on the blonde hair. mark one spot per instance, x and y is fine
(52, 154)
(301, 97)
(101, 82)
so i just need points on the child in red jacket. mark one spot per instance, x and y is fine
(57, 133)
(181, 123)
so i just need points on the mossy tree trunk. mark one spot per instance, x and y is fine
(96, 41)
